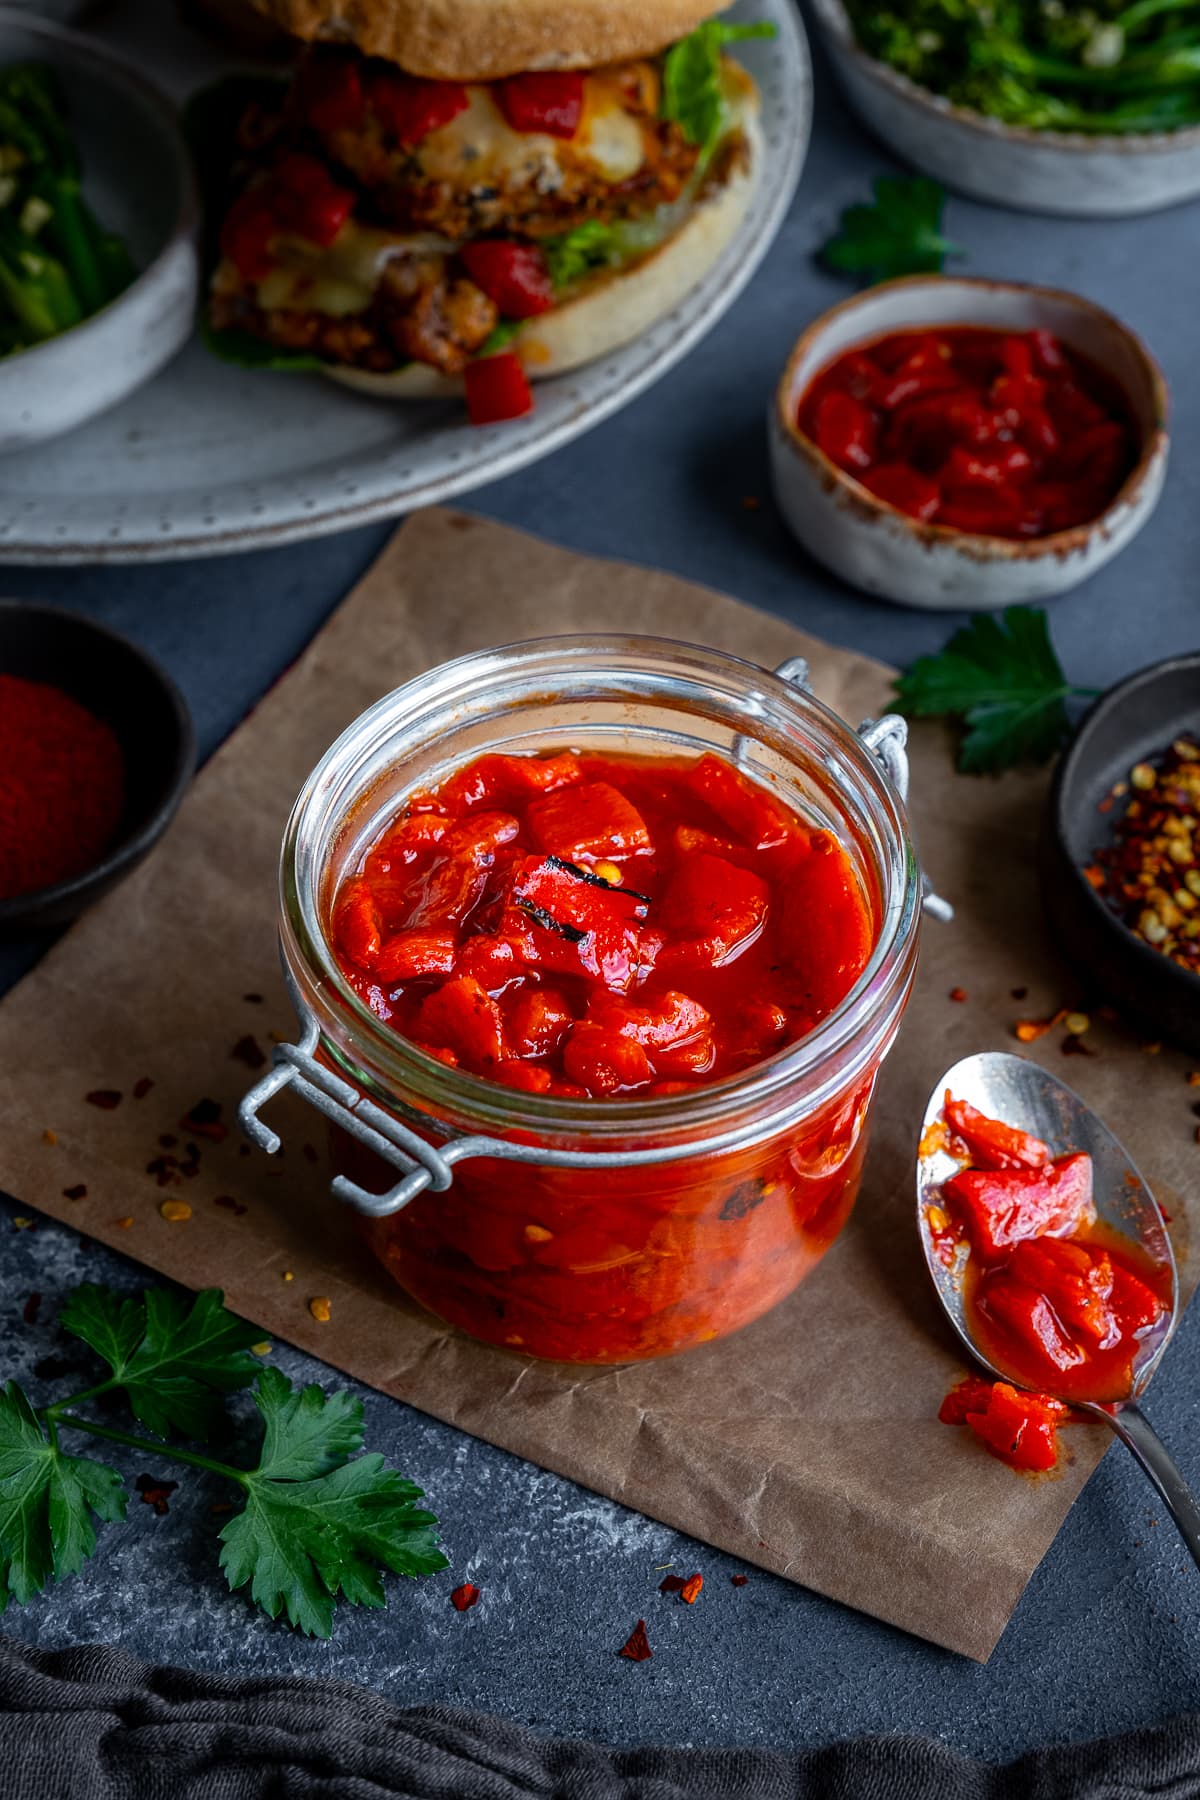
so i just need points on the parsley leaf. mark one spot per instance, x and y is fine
(46, 1502)
(315, 1525)
(900, 233)
(691, 79)
(1003, 679)
(175, 1359)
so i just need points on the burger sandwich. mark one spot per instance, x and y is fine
(477, 192)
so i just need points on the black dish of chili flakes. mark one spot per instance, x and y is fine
(1120, 851)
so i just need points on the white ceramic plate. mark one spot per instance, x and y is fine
(212, 458)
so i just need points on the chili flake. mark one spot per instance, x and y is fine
(465, 1597)
(959, 994)
(1029, 1030)
(49, 1137)
(738, 1580)
(205, 1120)
(320, 1309)
(637, 1646)
(78, 1192)
(690, 1591)
(236, 1207)
(20, 1223)
(248, 1050)
(107, 1099)
(124, 1223)
(31, 1309)
(175, 1212)
(142, 1087)
(155, 1493)
(253, 999)
(671, 1584)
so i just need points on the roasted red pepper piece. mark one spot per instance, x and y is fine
(308, 200)
(549, 101)
(1003, 1206)
(1076, 1279)
(411, 955)
(744, 806)
(908, 490)
(515, 276)
(356, 924)
(846, 432)
(675, 1031)
(1028, 1317)
(248, 234)
(993, 1144)
(538, 1021)
(597, 924)
(409, 108)
(1021, 1429)
(603, 1061)
(463, 1017)
(713, 910)
(507, 781)
(497, 389)
(970, 1395)
(592, 820)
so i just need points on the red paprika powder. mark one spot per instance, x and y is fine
(62, 787)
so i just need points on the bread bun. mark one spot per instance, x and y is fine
(616, 306)
(482, 40)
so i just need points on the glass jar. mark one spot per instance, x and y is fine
(630, 1227)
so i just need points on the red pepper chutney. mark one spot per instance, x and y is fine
(605, 928)
(1006, 434)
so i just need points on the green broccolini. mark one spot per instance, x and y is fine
(58, 264)
(1045, 64)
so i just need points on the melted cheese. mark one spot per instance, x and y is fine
(479, 148)
(341, 279)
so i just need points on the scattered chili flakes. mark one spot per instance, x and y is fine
(141, 1087)
(465, 1597)
(1029, 1030)
(959, 994)
(738, 1580)
(78, 1192)
(31, 1309)
(175, 1212)
(671, 1584)
(320, 1309)
(107, 1099)
(124, 1223)
(205, 1121)
(1149, 875)
(49, 1137)
(288, 1275)
(155, 1493)
(1075, 1046)
(253, 999)
(1019, 993)
(236, 1207)
(690, 1591)
(637, 1645)
(21, 1223)
(248, 1050)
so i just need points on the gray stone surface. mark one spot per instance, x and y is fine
(1106, 1636)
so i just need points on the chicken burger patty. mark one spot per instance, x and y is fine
(535, 155)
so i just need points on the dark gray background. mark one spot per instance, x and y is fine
(1106, 1636)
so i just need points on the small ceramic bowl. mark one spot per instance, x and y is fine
(138, 177)
(1131, 723)
(1074, 174)
(887, 553)
(120, 684)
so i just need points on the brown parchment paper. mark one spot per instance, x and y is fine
(809, 1443)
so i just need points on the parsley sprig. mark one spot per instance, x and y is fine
(1002, 679)
(899, 233)
(319, 1522)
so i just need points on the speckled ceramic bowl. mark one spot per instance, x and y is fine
(138, 177)
(887, 553)
(1074, 174)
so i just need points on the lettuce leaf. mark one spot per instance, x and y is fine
(692, 79)
(591, 246)
(250, 352)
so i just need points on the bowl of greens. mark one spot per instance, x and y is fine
(1054, 108)
(98, 257)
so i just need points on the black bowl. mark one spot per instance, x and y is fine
(1131, 723)
(128, 690)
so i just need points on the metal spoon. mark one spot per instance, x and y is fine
(1022, 1094)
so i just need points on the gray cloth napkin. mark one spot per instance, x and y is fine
(96, 1724)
